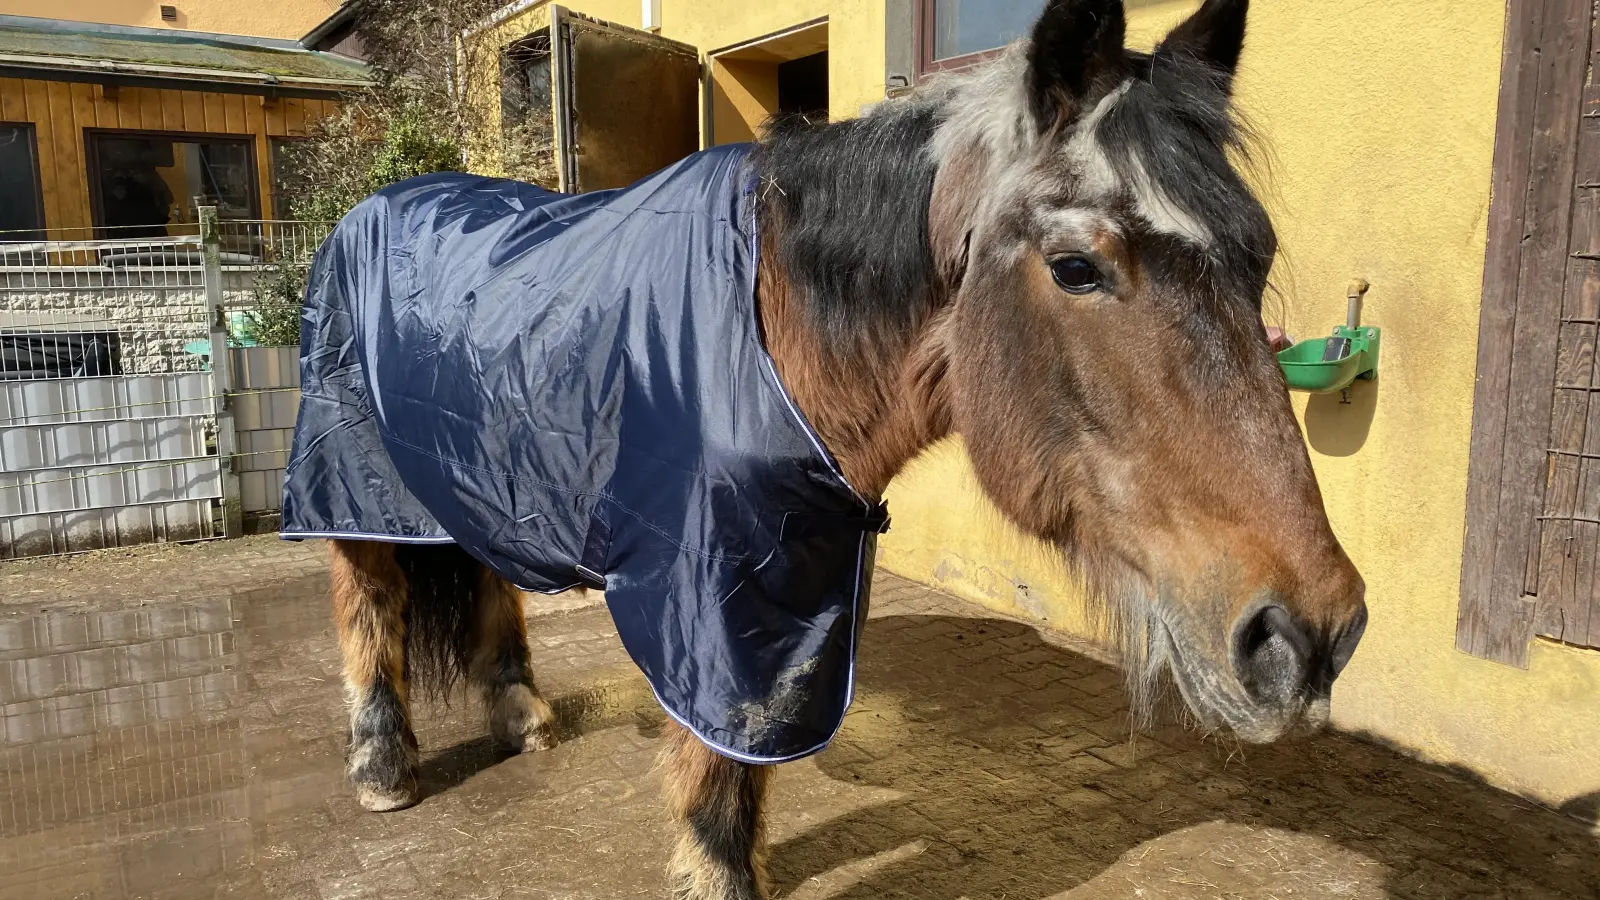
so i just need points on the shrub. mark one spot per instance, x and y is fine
(274, 319)
(425, 113)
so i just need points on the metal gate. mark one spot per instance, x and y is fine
(115, 426)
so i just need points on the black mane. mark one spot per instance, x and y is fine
(851, 200)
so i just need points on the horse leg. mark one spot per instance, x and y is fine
(717, 803)
(369, 607)
(518, 716)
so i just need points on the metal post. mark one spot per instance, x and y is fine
(221, 373)
(1353, 297)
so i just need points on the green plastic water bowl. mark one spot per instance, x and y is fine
(1307, 365)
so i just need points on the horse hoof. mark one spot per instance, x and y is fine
(376, 799)
(522, 721)
(384, 772)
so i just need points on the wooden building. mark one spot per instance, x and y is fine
(105, 126)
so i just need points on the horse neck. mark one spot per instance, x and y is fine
(875, 407)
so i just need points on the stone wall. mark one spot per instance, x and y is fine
(155, 312)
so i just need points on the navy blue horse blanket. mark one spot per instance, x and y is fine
(575, 391)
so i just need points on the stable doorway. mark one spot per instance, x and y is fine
(785, 73)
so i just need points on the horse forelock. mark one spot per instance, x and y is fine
(1159, 148)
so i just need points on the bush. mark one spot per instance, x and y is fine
(280, 289)
(371, 144)
(418, 118)
(425, 113)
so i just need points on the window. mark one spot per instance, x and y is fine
(21, 208)
(525, 98)
(954, 33)
(1532, 547)
(145, 184)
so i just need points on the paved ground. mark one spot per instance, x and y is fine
(165, 733)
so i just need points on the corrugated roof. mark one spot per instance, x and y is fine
(158, 52)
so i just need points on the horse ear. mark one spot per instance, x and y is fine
(1214, 35)
(1076, 44)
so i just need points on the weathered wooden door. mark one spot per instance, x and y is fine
(1532, 551)
(627, 101)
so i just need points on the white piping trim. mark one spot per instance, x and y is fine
(772, 368)
(395, 539)
(805, 425)
(849, 689)
(362, 536)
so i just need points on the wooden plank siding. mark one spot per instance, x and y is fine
(60, 112)
(1514, 547)
(1570, 533)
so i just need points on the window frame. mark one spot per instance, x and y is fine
(91, 158)
(926, 65)
(32, 130)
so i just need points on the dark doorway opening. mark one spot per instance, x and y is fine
(803, 86)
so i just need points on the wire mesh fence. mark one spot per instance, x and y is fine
(74, 305)
(273, 259)
(117, 425)
(122, 301)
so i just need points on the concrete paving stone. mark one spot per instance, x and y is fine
(1038, 677)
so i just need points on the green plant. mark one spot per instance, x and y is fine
(274, 319)
(412, 145)
(431, 108)
(373, 142)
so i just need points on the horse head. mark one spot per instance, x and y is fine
(1107, 365)
(1067, 270)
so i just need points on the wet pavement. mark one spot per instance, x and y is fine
(171, 726)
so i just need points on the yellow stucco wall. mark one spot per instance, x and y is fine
(1382, 121)
(278, 18)
(745, 94)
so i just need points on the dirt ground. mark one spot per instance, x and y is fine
(171, 726)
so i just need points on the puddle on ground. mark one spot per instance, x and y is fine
(132, 741)
(195, 750)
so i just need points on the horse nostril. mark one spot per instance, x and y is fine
(1272, 654)
(1345, 647)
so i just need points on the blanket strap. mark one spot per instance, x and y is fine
(801, 525)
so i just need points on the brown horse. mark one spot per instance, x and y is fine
(1054, 258)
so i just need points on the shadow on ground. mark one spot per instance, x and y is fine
(1015, 779)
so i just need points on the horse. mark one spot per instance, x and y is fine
(1055, 257)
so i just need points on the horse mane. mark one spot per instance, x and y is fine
(851, 202)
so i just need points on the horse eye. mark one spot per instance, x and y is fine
(1076, 275)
